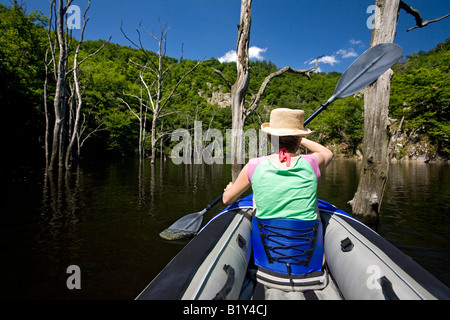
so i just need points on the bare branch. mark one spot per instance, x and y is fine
(163, 135)
(140, 46)
(134, 113)
(173, 112)
(49, 31)
(427, 22)
(269, 78)
(142, 67)
(162, 38)
(180, 81)
(182, 52)
(68, 4)
(96, 51)
(131, 95)
(223, 77)
(125, 35)
(169, 69)
(149, 93)
(97, 129)
(416, 14)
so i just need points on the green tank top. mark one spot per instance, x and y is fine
(285, 193)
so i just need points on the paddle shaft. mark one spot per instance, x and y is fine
(199, 215)
(317, 112)
(212, 204)
(208, 207)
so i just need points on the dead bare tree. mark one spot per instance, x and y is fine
(153, 76)
(375, 165)
(56, 64)
(239, 88)
(75, 129)
(46, 112)
(141, 116)
(58, 50)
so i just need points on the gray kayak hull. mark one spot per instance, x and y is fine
(360, 265)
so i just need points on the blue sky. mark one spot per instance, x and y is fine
(286, 32)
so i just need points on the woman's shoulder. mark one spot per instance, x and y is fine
(257, 160)
(252, 164)
(314, 162)
(310, 157)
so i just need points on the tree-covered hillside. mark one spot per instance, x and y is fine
(420, 96)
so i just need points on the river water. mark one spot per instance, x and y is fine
(104, 218)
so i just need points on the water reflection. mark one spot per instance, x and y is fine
(106, 218)
(339, 182)
(415, 215)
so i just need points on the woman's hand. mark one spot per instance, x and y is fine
(228, 187)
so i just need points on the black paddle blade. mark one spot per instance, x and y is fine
(188, 225)
(185, 227)
(169, 234)
(367, 68)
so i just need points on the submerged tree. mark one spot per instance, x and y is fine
(375, 166)
(75, 125)
(67, 120)
(154, 76)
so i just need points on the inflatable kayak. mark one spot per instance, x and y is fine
(218, 264)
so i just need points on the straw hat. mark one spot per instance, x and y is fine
(286, 122)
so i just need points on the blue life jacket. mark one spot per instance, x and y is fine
(288, 246)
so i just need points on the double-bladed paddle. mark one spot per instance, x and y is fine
(367, 68)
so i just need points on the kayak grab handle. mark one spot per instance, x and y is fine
(226, 289)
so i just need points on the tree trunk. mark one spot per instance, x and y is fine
(154, 138)
(375, 167)
(239, 89)
(76, 127)
(60, 88)
(75, 134)
(47, 115)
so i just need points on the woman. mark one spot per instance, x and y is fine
(287, 232)
(287, 126)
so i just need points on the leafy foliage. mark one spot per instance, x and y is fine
(420, 94)
(22, 47)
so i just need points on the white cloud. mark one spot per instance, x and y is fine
(338, 55)
(331, 60)
(230, 56)
(347, 53)
(253, 52)
(355, 42)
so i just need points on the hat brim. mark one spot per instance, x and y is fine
(284, 132)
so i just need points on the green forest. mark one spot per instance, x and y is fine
(419, 108)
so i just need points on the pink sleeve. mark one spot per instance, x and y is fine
(252, 164)
(312, 160)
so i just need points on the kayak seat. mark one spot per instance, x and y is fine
(288, 246)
